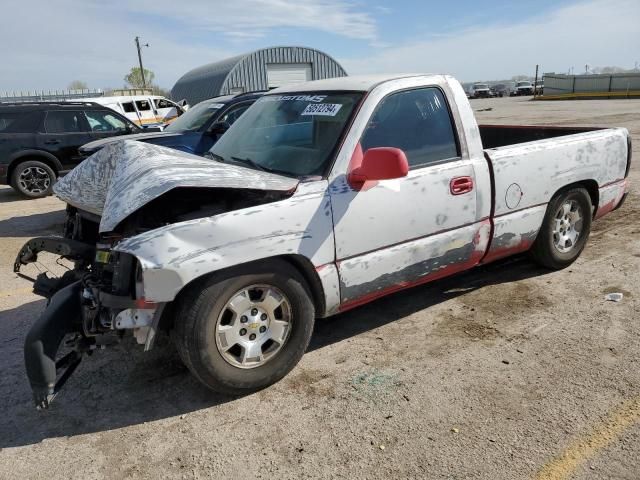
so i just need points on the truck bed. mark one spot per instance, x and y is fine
(494, 136)
(530, 164)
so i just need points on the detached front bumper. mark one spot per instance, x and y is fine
(61, 316)
(91, 305)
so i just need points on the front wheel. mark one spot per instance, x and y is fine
(245, 330)
(564, 230)
(33, 179)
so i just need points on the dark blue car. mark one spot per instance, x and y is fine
(196, 130)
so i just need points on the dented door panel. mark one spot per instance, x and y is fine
(395, 211)
(378, 273)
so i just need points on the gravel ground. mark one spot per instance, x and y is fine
(506, 372)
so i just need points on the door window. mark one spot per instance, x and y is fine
(143, 105)
(163, 103)
(19, 122)
(128, 107)
(415, 121)
(104, 121)
(64, 121)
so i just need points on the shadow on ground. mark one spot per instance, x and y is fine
(10, 195)
(124, 386)
(49, 223)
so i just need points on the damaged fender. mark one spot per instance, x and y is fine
(174, 255)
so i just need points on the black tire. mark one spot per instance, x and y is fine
(33, 179)
(200, 307)
(545, 250)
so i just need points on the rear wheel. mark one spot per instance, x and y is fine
(243, 331)
(565, 229)
(33, 179)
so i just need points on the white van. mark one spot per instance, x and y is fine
(143, 110)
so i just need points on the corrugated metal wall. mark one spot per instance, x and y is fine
(618, 82)
(249, 72)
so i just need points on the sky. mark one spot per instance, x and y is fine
(46, 44)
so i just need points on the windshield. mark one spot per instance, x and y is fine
(194, 118)
(524, 84)
(480, 86)
(293, 135)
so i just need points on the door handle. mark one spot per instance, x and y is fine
(52, 142)
(460, 185)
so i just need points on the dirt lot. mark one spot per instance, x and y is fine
(507, 372)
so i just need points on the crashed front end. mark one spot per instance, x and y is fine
(89, 307)
(122, 191)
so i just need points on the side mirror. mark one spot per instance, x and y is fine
(382, 163)
(219, 128)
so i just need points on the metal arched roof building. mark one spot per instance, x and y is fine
(259, 70)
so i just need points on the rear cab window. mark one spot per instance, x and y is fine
(417, 122)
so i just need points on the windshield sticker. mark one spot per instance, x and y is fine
(289, 98)
(326, 109)
(216, 105)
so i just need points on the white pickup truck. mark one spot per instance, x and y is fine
(320, 198)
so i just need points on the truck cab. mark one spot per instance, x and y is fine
(320, 198)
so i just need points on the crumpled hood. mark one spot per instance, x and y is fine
(124, 176)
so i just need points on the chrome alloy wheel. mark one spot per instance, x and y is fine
(253, 326)
(34, 180)
(567, 226)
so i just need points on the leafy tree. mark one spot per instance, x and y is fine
(519, 78)
(134, 78)
(78, 85)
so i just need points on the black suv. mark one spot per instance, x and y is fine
(40, 141)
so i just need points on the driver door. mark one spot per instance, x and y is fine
(395, 233)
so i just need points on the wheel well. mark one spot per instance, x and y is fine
(591, 186)
(38, 158)
(302, 265)
(308, 272)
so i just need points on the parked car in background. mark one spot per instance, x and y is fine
(480, 90)
(522, 88)
(194, 132)
(40, 141)
(325, 195)
(500, 90)
(143, 110)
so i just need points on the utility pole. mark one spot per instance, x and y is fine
(535, 83)
(144, 83)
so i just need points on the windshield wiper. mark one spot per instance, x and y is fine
(214, 156)
(257, 166)
(251, 163)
